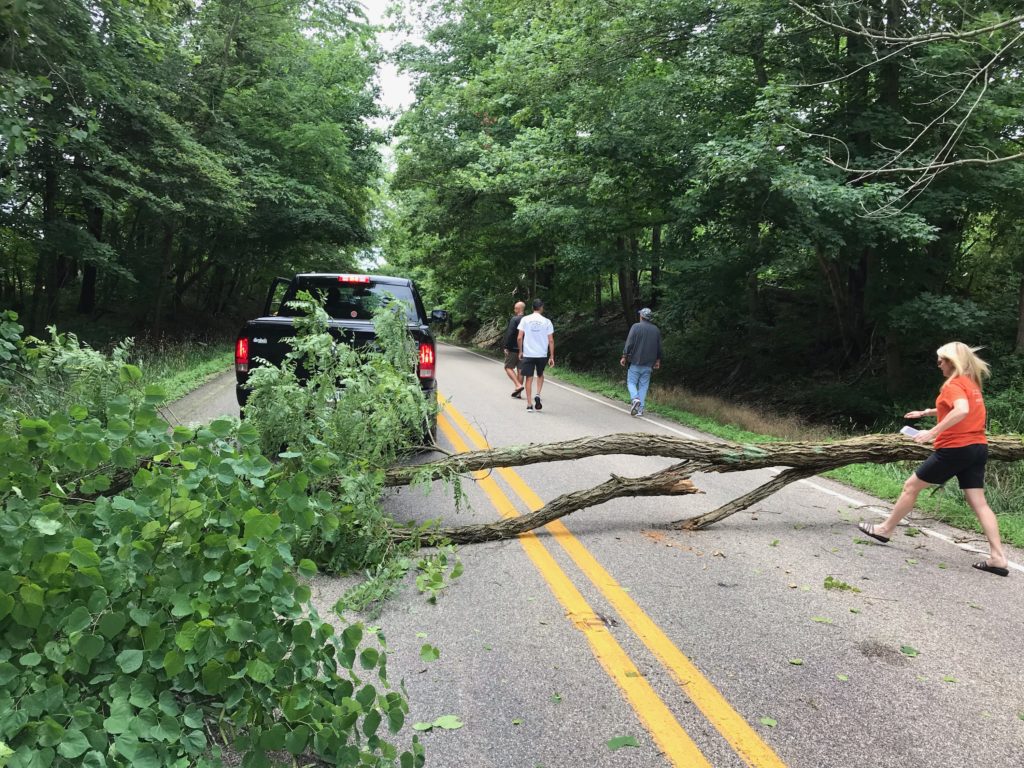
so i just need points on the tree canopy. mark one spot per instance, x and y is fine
(155, 154)
(796, 189)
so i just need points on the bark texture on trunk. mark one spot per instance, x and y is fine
(801, 459)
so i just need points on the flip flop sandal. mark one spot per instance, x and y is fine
(869, 530)
(982, 565)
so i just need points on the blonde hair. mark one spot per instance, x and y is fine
(965, 362)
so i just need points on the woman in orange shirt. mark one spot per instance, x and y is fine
(961, 450)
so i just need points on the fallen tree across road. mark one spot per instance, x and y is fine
(801, 460)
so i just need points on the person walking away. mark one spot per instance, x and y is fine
(536, 347)
(642, 353)
(961, 451)
(511, 346)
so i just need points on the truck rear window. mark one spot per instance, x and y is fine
(347, 301)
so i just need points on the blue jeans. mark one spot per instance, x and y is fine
(638, 379)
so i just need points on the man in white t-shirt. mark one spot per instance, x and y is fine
(536, 347)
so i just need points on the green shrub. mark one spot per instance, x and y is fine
(152, 593)
(351, 410)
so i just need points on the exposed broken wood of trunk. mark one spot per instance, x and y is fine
(802, 459)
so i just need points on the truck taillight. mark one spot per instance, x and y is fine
(426, 367)
(242, 355)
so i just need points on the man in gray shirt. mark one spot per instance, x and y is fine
(642, 354)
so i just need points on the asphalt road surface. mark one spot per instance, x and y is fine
(721, 647)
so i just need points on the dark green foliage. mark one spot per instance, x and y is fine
(158, 156)
(153, 591)
(691, 157)
(352, 413)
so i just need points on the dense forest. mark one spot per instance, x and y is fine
(821, 193)
(162, 158)
(816, 193)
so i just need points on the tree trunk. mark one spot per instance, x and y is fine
(1018, 348)
(87, 293)
(803, 460)
(43, 290)
(163, 274)
(655, 265)
(598, 309)
(626, 295)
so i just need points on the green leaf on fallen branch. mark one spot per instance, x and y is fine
(622, 741)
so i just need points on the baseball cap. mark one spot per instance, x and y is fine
(646, 313)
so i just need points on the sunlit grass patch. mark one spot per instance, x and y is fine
(181, 366)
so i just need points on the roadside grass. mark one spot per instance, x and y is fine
(181, 366)
(743, 424)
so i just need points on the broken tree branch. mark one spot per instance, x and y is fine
(669, 482)
(706, 456)
(803, 459)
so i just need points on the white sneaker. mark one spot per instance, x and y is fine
(636, 410)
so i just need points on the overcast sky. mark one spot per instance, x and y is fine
(396, 88)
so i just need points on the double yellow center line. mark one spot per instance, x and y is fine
(655, 715)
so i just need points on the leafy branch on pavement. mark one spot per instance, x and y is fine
(153, 622)
(801, 459)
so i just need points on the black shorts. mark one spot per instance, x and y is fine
(533, 366)
(966, 464)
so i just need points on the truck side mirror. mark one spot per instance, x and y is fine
(439, 316)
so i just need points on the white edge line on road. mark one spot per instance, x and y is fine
(818, 487)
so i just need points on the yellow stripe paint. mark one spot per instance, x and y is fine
(656, 717)
(744, 740)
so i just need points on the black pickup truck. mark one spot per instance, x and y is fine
(349, 301)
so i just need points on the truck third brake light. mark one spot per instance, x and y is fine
(353, 278)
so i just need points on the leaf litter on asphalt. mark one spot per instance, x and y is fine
(444, 722)
(622, 741)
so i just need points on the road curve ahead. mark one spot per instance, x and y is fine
(722, 647)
